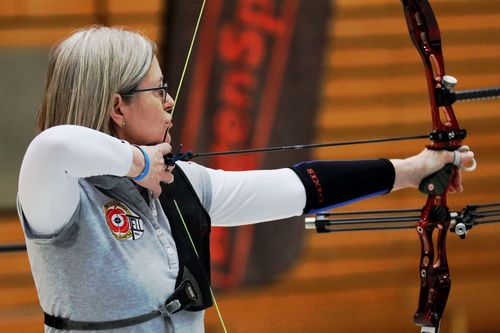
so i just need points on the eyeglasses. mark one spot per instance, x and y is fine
(162, 91)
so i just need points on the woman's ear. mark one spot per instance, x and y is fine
(117, 114)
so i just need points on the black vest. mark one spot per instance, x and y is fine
(192, 267)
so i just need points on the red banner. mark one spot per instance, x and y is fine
(253, 81)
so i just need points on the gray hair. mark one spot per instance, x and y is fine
(86, 70)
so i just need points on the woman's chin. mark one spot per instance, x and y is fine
(167, 138)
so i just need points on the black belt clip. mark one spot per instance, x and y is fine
(182, 298)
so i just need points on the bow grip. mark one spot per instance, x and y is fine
(437, 183)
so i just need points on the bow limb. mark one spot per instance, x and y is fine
(435, 279)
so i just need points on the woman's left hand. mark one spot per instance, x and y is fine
(411, 171)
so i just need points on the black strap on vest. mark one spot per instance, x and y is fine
(182, 297)
(67, 324)
(191, 267)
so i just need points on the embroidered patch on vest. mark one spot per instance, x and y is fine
(122, 222)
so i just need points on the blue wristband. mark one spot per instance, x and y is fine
(144, 172)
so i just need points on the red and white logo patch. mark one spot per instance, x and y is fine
(123, 223)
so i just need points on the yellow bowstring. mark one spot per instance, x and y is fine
(188, 56)
(172, 114)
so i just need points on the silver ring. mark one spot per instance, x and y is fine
(456, 158)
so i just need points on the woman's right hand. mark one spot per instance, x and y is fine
(158, 171)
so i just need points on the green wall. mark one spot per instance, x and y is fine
(22, 77)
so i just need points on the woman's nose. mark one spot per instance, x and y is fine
(169, 103)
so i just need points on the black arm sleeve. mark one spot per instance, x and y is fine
(334, 183)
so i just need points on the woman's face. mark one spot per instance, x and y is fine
(146, 117)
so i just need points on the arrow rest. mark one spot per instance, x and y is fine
(448, 135)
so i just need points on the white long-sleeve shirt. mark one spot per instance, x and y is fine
(59, 156)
